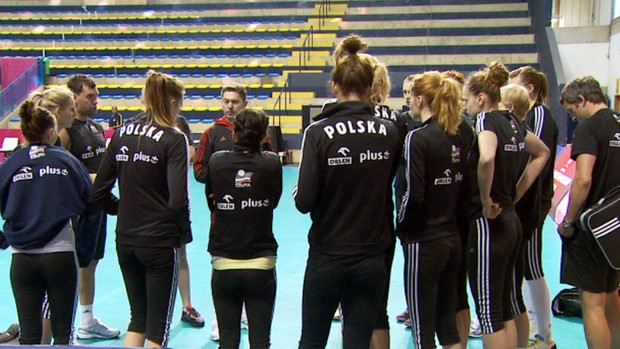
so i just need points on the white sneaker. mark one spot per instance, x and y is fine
(540, 343)
(244, 319)
(97, 330)
(475, 330)
(215, 331)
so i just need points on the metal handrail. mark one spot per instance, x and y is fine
(323, 11)
(284, 95)
(306, 47)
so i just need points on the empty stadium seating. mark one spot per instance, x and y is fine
(260, 44)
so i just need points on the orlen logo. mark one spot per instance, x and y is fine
(345, 159)
(615, 143)
(249, 203)
(444, 180)
(24, 174)
(90, 153)
(228, 205)
(123, 154)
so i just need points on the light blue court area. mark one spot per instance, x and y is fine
(291, 230)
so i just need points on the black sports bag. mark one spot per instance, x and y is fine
(567, 303)
(601, 224)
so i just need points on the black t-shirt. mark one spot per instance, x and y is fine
(599, 135)
(87, 143)
(510, 158)
(542, 124)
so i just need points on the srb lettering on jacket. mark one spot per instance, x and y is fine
(353, 127)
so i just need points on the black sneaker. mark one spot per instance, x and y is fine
(10, 334)
(191, 316)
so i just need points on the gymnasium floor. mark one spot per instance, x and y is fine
(291, 229)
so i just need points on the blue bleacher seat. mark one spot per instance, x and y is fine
(261, 96)
(193, 121)
(207, 120)
(208, 96)
(15, 119)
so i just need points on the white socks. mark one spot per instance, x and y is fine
(541, 305)
(87, 315)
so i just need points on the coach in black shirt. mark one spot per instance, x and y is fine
(596, 150)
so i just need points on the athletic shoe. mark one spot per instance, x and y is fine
(244, 321)
(475, 330)
(337, 314)
(408, 323)
(403, 317)
(191, 316)
(215, 331)
(10, 334)
(97, 330)
(539, 343)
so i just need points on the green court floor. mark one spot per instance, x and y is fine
(290, 228)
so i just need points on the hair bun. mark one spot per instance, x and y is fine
(354, 44)
(497, 74)
(26, 110)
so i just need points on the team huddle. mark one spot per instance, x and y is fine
(463, 179)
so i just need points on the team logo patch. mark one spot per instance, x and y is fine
(615, 143)
(227, 204)
(250, 203)
(370, 155)
(24, 174)
(36, 152)
(153, 159)
(344, 159)
(47, 171)
(243, 179)
(455, 154)
(123, 154)
(444, 180)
